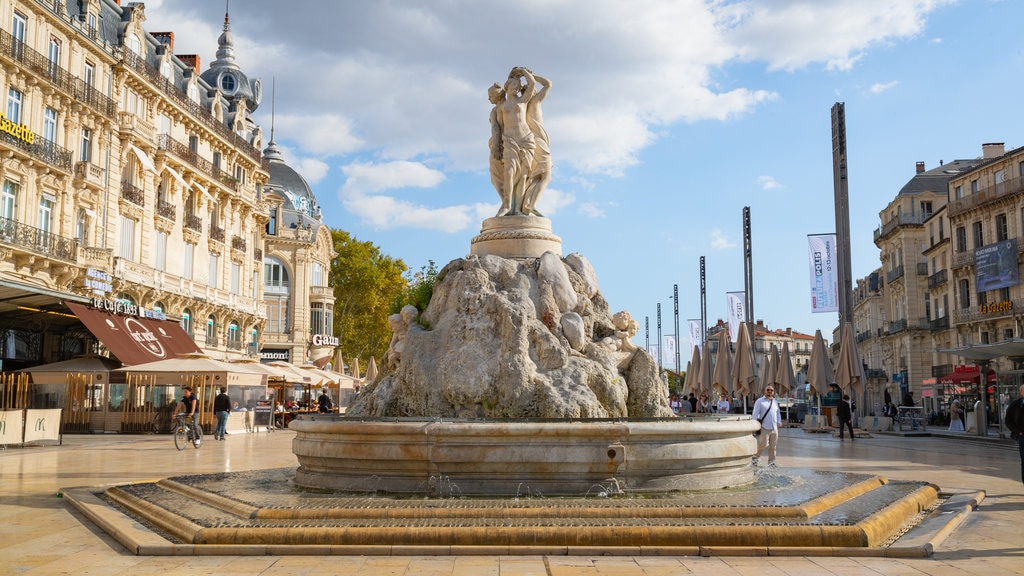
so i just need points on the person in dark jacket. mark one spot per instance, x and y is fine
(221, 409)
(1015, 422)
(844, 412)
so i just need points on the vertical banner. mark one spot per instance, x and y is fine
(668, 351)
(654, 350)
(821, 251)
(696, 338)
(737, 312)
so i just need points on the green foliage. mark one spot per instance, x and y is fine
(419, 290)
(366, 283)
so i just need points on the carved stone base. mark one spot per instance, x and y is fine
(516, 237)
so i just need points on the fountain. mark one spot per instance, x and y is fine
(517, 371)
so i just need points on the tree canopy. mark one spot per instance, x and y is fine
(366, 284)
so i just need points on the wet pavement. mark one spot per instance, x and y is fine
(41, 534)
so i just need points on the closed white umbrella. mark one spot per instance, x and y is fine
(744, 366)
(819, 369)
(722, 380)
(692, 383)
(849, 370)
(784, 373)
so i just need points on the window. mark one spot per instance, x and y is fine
(958, 193)
(46, 203)
(190, 254)
(14, 97)
(234, 335)
(928, 308)
(211, 331)
(216, 159)
(9, 199)
(135, 44)
(318, 274)
(965, 294)
(984, 338)
(193, 93)
(131, 102)
(18, 27)
(81, 226)
(186, 321)
(50, 124)
(1000, 181)
(982, 298)
(277, 314)
(1008, 334)
(974, 186)
(236, 277)
(275, 276)
(272, 223)
(160, 252)
(317, 324)
(1004, 294)
(214, 269)
(89, 74)
(86, 149)
(961, 237)
(193, 143)
(1002, 232)
(979, 237)
(926, 208)
(167, 71)
(165, 124)
(255, 284)
(228, 83)
(53, 55)
(127, 248)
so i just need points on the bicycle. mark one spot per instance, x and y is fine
(186, 432)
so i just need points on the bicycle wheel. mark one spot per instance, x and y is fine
(197, 436)
(180, 437)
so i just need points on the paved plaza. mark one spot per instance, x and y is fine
(41, 534)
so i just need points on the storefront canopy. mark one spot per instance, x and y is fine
(982, 352)
(135, 340)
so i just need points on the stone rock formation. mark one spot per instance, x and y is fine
(515, 338)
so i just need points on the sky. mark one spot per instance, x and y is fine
(666, 119)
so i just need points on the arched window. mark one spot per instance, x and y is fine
(135, 44)
(211, 331)
(186, 322)
(234, 336)
(276, 295)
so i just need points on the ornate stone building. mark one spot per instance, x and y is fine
(135, 199)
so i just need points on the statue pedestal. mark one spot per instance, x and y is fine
(516, 237)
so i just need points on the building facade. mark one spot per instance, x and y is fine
(134, 187)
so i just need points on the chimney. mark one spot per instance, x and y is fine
(190, 60)
(165, 38)
(992, 150)
(920, 167)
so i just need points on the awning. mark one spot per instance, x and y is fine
(174, 173)
(135, 340)
(147, 162)
(1013, 348)
(205, 192)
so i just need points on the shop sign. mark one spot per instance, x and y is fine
(325, 340)
(996, 307)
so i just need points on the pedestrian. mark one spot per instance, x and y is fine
(723, 404)
(1015, 422)
(956, 415)
(221, 409)
(766, 411)
(693, 402)
(324, 402)
(844, 412)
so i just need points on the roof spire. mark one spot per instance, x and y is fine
(225, 44)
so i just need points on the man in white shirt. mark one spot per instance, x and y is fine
(766, 411)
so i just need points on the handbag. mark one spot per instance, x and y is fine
(761, 419)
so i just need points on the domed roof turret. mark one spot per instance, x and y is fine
(300, 209)
(225, 75)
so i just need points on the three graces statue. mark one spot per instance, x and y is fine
(520, 159)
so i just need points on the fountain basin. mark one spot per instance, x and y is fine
(522, 457)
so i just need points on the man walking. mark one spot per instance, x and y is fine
(1015, 422)
(221, 409)
(845, 415)
(766, 411)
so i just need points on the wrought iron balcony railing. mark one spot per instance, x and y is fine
(937, 279)
(38, 241)
(238, 243)
(217, 233)
(133, 194)
(193, 222)
(165, 209)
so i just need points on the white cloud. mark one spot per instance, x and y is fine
(879, 88)
(384, 212)
(365, 178)
(719, 240)
(554, 200)
(768, 182)
(591, 210)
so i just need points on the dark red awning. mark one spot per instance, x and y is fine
(135, 340)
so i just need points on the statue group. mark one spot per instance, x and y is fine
(520, 158)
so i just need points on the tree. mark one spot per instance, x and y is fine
(366, 284)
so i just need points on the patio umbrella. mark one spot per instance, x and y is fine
(819, 368)
(849, 370)
(722, 379)
(692, 383)
(371, 370)
(784, 373)
(766, 373)
(706, 374)
(744, 367)
(776, 373)
(339, 363)
(355, 367)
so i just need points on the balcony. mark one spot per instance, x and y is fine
(894, 274)
(193, 222)
(89, 173)
(937, 279)
(238, 243)
(39, 148)
(40, 66)
(985, 196)
(875, 374)
(897, 326)
(939, 324)
(900, 220)
(863, 336)
(133, 194)
(29, 239)
(166, 210)
(217, 233)
(211, 340)
(233, 344)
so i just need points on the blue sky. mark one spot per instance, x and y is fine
(665, 120)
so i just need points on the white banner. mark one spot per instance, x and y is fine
(654, 350)
(696, 338)
(668, 348)
(821, 251)
(10, 427)
(737, 304)
(42, 425)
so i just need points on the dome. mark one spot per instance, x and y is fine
(300, 209)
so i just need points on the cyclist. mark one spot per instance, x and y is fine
(189, 405)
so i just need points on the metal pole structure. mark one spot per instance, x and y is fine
(647, 334)
(675, 302)
(660, 351)
(703, 303)
(748, 268)
(840, 184)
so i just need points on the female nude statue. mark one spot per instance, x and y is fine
(518, 137)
